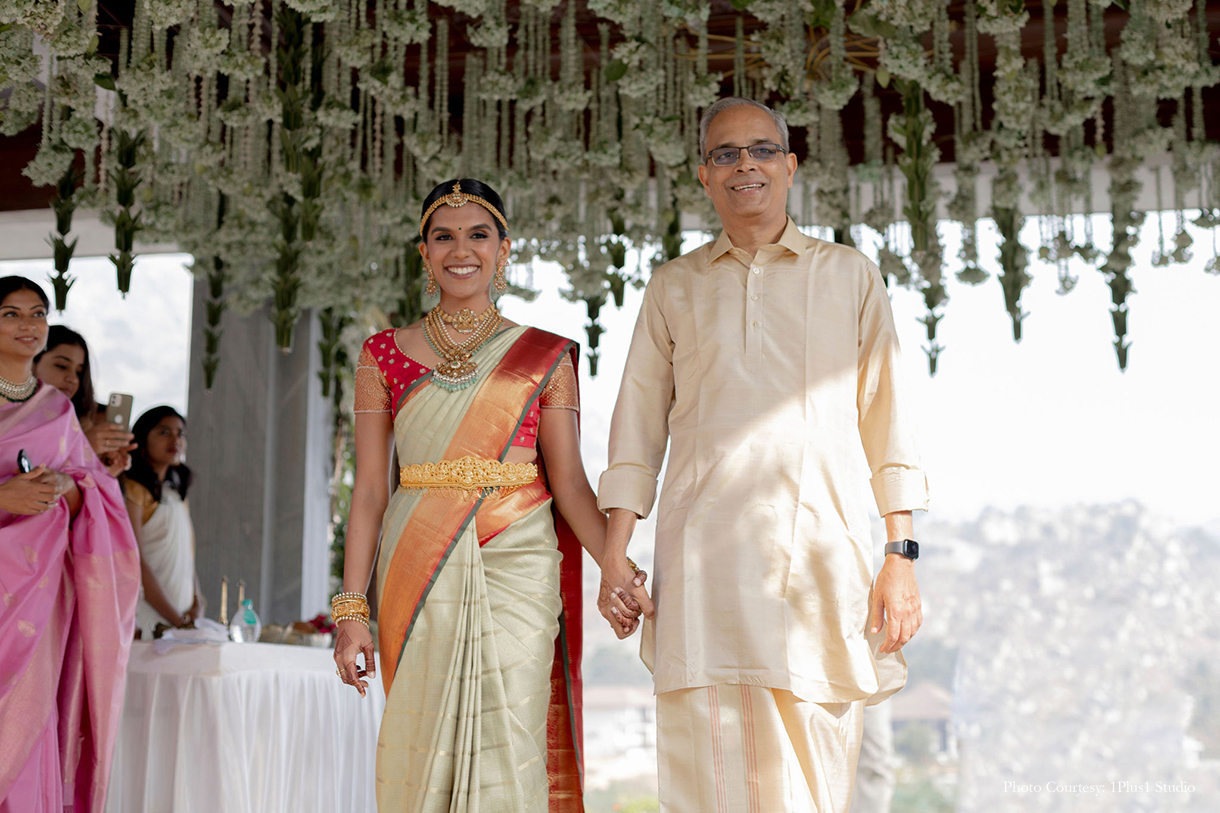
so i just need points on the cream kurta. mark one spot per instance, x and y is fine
(766, 377)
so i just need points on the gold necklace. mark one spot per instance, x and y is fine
(457, 371)
(465, 321)
(18, 393)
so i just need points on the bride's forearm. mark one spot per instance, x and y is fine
(363, 531)
(579, 507)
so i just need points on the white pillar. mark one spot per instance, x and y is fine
(260, 449)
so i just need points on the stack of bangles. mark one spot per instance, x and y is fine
(350, 607)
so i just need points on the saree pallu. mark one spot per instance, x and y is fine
(69, 588)
(479, 625)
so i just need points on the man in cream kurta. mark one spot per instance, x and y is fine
(767, 360)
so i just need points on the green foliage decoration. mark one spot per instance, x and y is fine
(63, 206)
(325, 123)
(126, 179)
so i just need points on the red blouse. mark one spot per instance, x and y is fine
(384, 372)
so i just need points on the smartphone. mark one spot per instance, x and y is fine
(23, 462)
(118, 410)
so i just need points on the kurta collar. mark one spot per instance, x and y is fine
(791, 239)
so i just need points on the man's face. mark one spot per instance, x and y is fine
(748, 190)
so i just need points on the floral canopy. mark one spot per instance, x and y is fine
(287, 144)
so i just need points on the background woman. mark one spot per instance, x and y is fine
(478, 581)
(70, 577)
(155, 488)
(64, 365)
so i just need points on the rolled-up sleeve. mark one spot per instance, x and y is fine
(639, 430)
(885, 416)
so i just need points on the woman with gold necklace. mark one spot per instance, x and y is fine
(479, 572)
(70, 576)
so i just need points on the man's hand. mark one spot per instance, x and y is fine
(896, 598)
(621, 598)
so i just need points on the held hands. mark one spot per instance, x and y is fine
(621, 598)
(896, 595)
(354, 639)
(34, 492)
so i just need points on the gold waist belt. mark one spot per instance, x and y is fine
(468, 476)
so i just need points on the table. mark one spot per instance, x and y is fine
(243, 728)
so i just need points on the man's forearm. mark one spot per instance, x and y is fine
(899, 526)
(618, 533)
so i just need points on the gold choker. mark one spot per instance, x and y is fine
(17, 393)
(465, 321)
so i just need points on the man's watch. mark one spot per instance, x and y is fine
(907, 547)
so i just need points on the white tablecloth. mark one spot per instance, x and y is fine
(243, 728)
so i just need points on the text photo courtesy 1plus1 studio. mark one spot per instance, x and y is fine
(607, 406)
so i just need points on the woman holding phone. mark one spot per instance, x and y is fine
(64, 364)
(69, 573)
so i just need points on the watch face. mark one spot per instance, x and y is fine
(910, 549)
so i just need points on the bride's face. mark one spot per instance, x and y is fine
(464, 248)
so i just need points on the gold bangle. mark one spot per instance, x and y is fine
(348, 603)
(361, 619)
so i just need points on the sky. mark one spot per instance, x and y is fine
(139, 345)
(1049, 422)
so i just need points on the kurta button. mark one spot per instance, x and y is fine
(756, 270)
(754, 324)
(754, 297)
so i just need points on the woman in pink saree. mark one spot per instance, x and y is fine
(69, 576)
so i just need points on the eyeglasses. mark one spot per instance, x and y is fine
(728, 156)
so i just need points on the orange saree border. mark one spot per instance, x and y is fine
(487, 430)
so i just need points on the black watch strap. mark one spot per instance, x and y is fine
(907, 547)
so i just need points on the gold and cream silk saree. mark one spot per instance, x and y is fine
(479, 624)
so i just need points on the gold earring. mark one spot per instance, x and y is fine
(431, 288)
(499, 280)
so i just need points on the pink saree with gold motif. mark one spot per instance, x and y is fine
(69, 590)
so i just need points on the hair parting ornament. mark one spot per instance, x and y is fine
(457, 199)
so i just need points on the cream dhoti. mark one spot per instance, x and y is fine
(733, 748)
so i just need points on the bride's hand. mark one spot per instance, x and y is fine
(354, 639)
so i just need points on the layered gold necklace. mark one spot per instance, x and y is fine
(457, 370)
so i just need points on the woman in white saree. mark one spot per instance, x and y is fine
(155, 490)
